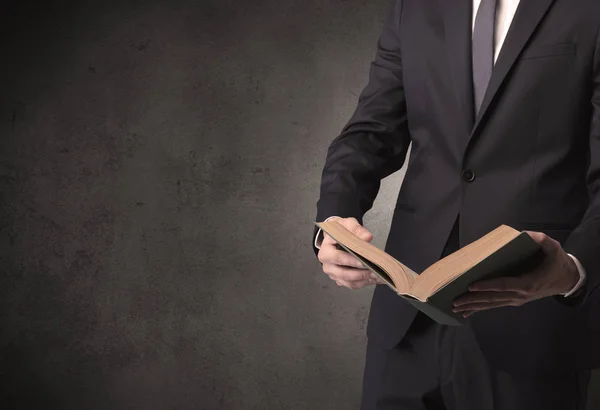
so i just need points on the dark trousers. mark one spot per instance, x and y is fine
(441, 367)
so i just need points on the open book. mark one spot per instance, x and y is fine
(502, 252)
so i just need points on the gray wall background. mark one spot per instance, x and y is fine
(159, 169)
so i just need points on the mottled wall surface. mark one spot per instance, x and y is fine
(159, 169)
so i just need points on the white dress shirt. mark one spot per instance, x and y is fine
(505, 12)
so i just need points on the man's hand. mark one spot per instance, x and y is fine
(342, 267)
(556, 275)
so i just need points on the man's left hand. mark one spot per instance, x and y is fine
(556, 275)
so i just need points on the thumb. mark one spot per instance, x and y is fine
(548, 244)
(357, 229)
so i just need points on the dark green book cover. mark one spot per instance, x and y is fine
(519, 256)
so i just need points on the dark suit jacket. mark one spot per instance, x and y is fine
(529, 159)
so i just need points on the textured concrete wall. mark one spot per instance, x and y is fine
(159, 168)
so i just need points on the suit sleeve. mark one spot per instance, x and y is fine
(374, 143)
(584, 242)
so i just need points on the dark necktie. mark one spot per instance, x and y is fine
(483, 49)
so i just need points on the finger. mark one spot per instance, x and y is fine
(338, 272)
(547, 243)
(477, 307)
(486, 297)
(344, 258)
(329, 254)
(377, 279)
(355, 284)
(327, 240)
(526, 284)
(356, 228)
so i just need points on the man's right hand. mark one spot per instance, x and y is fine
(343, 268)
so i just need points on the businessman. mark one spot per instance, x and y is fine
(501, 102)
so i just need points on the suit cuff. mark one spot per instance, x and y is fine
(582, 276)
(319, 235)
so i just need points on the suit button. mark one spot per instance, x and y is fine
(468, 175)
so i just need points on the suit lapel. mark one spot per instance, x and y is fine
(458, 32)
(527, 17)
